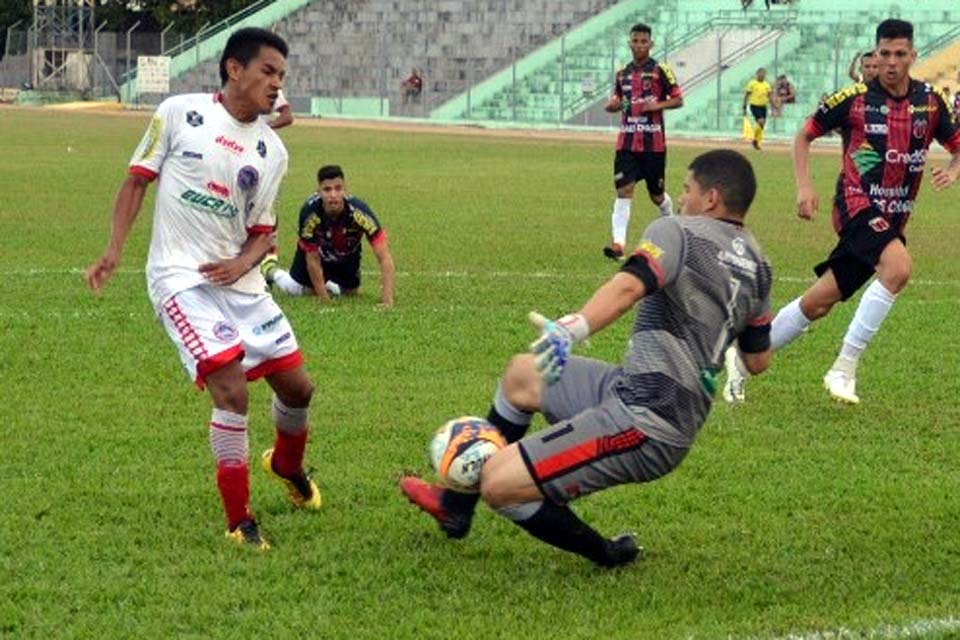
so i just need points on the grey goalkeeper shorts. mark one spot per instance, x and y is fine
(594, 441)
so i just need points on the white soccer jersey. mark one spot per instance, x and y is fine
(218, 179)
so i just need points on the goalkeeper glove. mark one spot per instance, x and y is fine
(552, 349)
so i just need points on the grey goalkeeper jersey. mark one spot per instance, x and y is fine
(708, 283)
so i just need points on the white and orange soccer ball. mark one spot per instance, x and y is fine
(459, 450)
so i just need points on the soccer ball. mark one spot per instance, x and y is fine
(459, 450)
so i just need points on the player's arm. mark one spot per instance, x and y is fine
(615, 102)
(746, 96)
(808, 203)
(125, 209)
(225, 272)
(654, 264)
(671, 96)
(315, 269)
(284, 118)
(947, 134)
(382, 250)
(754, 345)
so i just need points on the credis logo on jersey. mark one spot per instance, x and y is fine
(913, 159)
(229, 145)
(209, 204)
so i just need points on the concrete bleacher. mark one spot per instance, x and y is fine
(365, 48)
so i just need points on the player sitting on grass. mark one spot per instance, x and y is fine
(705, 283)
(332, 225)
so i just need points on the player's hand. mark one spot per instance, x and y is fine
(808, 203)
(614, 104)
(552, 349)
(225, 272)
(100, 271)
(942, 178)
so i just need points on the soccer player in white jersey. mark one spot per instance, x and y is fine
(218, 168)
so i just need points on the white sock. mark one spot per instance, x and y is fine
(666, 207)
(873, 308)
(620, 219)
(789, 323)
(288, 285)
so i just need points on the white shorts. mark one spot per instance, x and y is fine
(213, 326)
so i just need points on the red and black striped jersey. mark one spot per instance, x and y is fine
(637, 85)
(885, 143)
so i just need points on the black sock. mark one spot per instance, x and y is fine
(560, 527)
(511, 430)
(463, 504)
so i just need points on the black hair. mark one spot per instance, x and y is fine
(892, 29)
(868, 54)
(329, 172)
(244, 45)
(641, 28)
(730, 173)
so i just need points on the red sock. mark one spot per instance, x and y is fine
(233, 480)
(288, 452)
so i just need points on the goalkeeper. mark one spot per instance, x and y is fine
(705, 282)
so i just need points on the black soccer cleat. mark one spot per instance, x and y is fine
(621, 550)
(429, 498)
(614, 251)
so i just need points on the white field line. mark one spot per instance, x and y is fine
(916, 629)
(455, 275)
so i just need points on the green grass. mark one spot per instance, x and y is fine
(791, 514)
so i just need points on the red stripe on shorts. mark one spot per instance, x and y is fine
(276, 365)
(585, 452)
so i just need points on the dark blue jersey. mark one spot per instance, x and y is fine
(337, 238)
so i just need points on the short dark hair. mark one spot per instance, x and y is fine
(244, 45)
(641, 28)
(730, 173)
(893, 28)
(329, 172)
(868, 54)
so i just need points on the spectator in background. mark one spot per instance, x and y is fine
(869, 67)
(412, 87)
(783, 93)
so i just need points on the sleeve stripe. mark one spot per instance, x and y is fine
(138, 170)
(260, 229)
(813, 129)
(379, 238)
(766, 318)
(306, 247)
(953, 144)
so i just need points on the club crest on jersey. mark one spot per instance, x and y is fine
(879, 224)
(248, 178)
(225, 332)
(194, 119)
(738, 247)
(920, 129)
(262, 148)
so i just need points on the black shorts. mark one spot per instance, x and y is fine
(633, 166)
(759, 113)
(345, 273)
(855, 258)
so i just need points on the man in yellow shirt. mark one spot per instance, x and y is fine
(758, 95)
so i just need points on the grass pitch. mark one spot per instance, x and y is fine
(792, 514)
